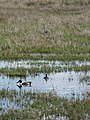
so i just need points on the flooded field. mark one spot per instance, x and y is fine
(65, 84)
(40, 63)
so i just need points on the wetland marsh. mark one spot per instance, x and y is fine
(39, 37)
(63, 83)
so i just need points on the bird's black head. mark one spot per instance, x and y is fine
(20, 81)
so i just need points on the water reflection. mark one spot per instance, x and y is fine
(19, 86)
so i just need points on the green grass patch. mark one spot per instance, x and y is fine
(46, 56)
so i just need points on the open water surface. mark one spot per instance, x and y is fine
(64, 84)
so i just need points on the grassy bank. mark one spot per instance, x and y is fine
(61, 27)
(40, 106)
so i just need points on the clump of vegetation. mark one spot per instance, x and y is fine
(20, 72)
(85, 78)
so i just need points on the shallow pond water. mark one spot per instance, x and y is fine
(64, 84)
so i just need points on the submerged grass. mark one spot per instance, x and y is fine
(60, 27)
(42, 106)
(85, 78)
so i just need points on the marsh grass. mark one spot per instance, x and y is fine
(85, 78)
(41, 105)
(40, 56)
(23, 68)
(60, 27)
(23, 72)
(20, 72)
